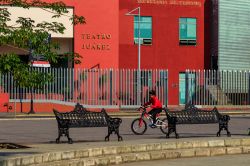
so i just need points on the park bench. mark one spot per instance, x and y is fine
(80, 117)
(193, 115)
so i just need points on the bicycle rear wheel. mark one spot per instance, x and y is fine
(164, 126)
(139, 126)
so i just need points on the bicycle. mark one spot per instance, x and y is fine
(139, 125)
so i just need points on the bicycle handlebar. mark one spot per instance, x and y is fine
(142, 107)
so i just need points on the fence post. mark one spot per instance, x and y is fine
(111, 86)
(186, 87)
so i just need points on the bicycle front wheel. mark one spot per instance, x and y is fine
(164, 126)
(139, 126)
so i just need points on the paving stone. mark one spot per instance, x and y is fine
(139, 148)
(18, 161)
(157, 155)
(46, 157)
(56, 156)
(102, 161)
(172, 154)
(80, 163)
(115, 159)
(11, 162)
(151, 147)
(200, 144)
(109, 150)
(62, 163)
(202, 152)
(89, 162)
(28, 160)
(234, 150)
(128, 157)
(168, 145)
(246, 149)
(216, 143)
(74, 163)
(217, 151)
(95, 152)
(3, 163)
(38, 159)
(187, 152)
(142, 156)
(81, 153)
(124, 149)
(68, 155)
(184, 145)
(245, 142)
(232, 142)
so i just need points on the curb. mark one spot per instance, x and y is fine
(133, 153)
(124, 114)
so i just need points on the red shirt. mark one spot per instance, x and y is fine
(155, 102)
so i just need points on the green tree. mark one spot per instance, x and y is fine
(34, 37)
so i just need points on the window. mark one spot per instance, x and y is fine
(145, 30)
(187, 31)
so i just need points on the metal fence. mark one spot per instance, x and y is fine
(96, 87)
(210, 87)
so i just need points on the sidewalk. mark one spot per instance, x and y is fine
(113, 152)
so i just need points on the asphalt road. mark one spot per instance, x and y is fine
(45, 131)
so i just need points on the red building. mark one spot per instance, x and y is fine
(108, 38)
(174, 35)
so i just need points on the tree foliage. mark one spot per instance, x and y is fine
(29, 35)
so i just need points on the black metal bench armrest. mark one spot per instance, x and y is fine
(63, 123)
(172, 119)
(224, 118)
(114, 121)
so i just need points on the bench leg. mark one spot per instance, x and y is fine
(59, 136)
(223, 125)
(114, 129)
(70, 141)
(113, 126)
(118, 135)
(172, 129)
(109, 132)
(228, 133)
(61, 132)
(218, 133)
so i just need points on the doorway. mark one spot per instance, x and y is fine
(186, 87)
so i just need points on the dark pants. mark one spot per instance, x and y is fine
(154, 112)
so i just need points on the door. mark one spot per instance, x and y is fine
(182, 88)
(186, 94)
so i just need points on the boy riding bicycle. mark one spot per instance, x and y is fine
(156, 106)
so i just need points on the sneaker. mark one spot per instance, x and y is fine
(152, 125)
